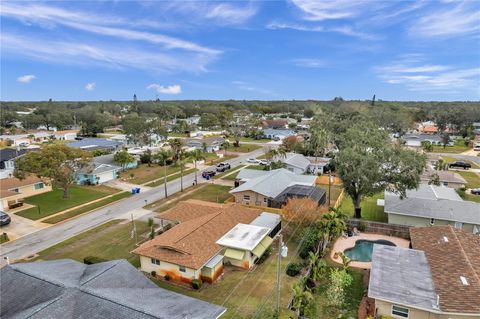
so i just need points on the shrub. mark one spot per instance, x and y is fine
(362, 226)
(293, 269)
(90, 260)
(196, 284)
(167, 277)
(154, 274)
(310, 240)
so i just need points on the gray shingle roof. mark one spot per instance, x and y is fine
(272, 183)
(97, 168)
(69, 289)
(402, 276)
(297, 160)
(434, 202)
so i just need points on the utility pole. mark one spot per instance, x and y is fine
(134, 231)
(282, 252)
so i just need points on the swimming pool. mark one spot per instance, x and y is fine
(362, 251)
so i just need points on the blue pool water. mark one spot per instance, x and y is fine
(362, 251)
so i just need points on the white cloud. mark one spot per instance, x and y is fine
(417, 76)
(170, 89)
(245, 86)
(459, 20)
(316, 10)
(26, 78)
(310, 63)
(90, 86)
(231, 14)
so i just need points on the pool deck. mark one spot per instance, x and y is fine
(344, 243)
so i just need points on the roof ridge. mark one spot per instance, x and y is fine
(464, 254)
(114, 263)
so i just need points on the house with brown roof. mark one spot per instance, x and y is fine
(275, 124)
(208, 236)
(438, 279)
(13, 191)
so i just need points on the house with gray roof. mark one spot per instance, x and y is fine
(207, 144)
(91, 144)
(96, 173)
(68, 289)
(415, 140)
(300, 164)
(446, 178)
(261, 187)
(432, 205)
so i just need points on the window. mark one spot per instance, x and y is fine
(432, 221)
(264, 199)
(458, 225)
(445, 183)
(16, 190)
(155, 261)
(246, 197)
(399, 311)
(182, 269)
(38, 186)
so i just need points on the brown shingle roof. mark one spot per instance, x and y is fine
(12, 182)
(193, 242)
(448, 260)
(190, 209)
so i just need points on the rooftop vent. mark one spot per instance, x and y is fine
(445, 239)
(464, 281)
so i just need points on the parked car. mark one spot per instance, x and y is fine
(476, 147)
(253, 160)
(264, 162)
(460, 164)
(222, 167)
(208, 174)
(4, 219)
(23, 144)
(475, 191)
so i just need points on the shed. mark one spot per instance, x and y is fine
(269, 220)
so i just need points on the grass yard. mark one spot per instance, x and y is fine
(449, 159)
(458, 147)
(250, 139)
(86, 208)
(230, 174)
(370, 210)
(4, 238)
(473, 179)
(243, 148)
(144, 173)
(108, 241)
(336, 191)
(172, 177)
(53, 202)
(243, 292)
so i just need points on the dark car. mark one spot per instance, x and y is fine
(208, 174)
(222, 167)
(4, 219)
(475, 191)
(460, 165)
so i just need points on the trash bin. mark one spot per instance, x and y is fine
(134, 190)
(138, 190)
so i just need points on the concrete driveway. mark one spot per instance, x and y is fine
(124, 186)
(21, 226)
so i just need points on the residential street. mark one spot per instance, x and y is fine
(44, 238)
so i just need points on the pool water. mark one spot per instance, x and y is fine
(362, 251)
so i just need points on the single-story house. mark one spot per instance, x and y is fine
(108, 160)
(67, 135)
(13, 191)
(318, 164)
(438, 278)
(96, 173)
(300, 164)
(446, 178)
(191, 249)
(433, 205)
(316, 194)
(7, 161)
(277, 134)
(91, 144)
(69, 289)
(275, 124)
(207, 144)
(415, 140)
(260, 188)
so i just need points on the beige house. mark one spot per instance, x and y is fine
(446, 178)
(13, 191)
(438, 279)
(194, 248)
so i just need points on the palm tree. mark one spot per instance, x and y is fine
(301, 296)
(182, 160)
(196, 155)
(163, 156)
(313, 261)
(176, 144)
(345, 261)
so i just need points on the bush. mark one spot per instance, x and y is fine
(293, 269)
(196, 284)
(310, 240)
(362, 226)
(154, 274)
(167, 227)
(167, 277)
(90, 260)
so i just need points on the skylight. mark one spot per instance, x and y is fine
(464, 281)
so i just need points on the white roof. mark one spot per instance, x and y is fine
(244, 237)
(297, 160)
(266, 219)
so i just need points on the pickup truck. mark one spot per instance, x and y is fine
(222, 167)
(460, 164)
(208, 174)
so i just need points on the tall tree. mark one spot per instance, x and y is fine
(123, 158)
(163, 156)
(369, 163)
(176, 145)
(55, 163)
(196, 155)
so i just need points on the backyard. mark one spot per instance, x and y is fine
(53, 202)
(370, 209)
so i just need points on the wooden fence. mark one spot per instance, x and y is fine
(380, 228)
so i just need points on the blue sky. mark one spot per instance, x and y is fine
(270, 50)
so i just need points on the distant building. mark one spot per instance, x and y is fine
(415, 140)
(300, 164)
(91, 144)
(208, 144)
(277, 134)
(275, 124)
(68, 135)
(69, 289)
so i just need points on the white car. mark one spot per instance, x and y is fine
(264, 162)
(253, 161)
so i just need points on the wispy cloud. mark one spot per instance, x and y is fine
(170, 89)
(459, 19)
(345, 30)
(245, 86)
(315, 10)
(418, 76)
(310, 63)
(90, 86)
(26, 78)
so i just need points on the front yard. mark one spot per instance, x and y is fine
(458, 147)
(243, 148)
(473, 179)
(53, 202)
(370, 209)
(144, 173)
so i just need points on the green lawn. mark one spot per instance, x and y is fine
(457, 147)
(144, 173)
(86, 208)
(250, 139)
(449, 159)
(473, 179)
(243, 148)
(336, 191)
(370, 210)
(4, 238)
(108, 241)
(172, 177)
(53, 202)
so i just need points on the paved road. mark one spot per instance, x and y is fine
(474, 159)
(44, 238)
